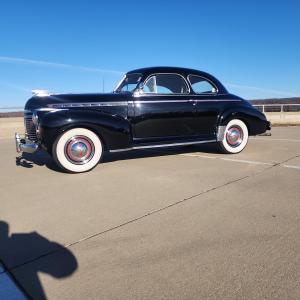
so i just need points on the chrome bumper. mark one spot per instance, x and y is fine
(23, 145)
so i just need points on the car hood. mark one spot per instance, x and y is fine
(53, 101)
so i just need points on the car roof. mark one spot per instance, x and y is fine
(182, 71)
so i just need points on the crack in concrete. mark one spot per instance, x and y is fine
(154, 212)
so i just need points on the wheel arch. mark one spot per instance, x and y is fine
(87, 126)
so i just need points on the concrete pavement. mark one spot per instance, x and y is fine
(176, 224)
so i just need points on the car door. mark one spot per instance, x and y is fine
(164, 110)
(209, 104)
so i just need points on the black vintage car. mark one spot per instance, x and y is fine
(150, 108)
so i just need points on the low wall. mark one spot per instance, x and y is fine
(284, 118)
(8, 126)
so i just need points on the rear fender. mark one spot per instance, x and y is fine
(255, 121)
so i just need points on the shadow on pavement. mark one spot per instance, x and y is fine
(39, 158)
(203, 148)
(42, 158)
(34, 253)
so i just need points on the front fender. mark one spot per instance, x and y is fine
(114, 131)
(255, 120)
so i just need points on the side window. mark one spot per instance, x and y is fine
(150, 85)
(129, 83)
(166, 84)
(201, 86)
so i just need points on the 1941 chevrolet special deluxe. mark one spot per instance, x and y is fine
(150, 108)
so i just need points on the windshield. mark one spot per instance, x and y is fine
(129, 83)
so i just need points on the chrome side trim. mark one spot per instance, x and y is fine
(49, 109)
(186, 100)
(180, 95)
(157, 101)
(88, 104)
(161, 146)
(219, 100)
(55, 107)
(30, 111)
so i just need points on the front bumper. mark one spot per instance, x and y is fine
(23, 145)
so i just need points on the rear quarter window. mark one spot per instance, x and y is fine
(201, 85)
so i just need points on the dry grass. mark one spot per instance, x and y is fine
(11, 114)
(8, 127)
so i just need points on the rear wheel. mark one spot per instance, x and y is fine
(235, 137)
(77, 150)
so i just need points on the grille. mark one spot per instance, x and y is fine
(30, 128)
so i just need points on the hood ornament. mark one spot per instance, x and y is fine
(40, 93)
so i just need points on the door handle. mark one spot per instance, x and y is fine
(194, 102)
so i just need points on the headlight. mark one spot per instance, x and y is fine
(35, 118)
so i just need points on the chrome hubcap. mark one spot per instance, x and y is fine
(79, 150)
(234, 136)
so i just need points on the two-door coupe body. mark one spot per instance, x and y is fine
(150, 108)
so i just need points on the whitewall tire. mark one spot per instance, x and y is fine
(235, 137)
(77, 150)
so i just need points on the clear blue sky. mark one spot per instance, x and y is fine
(253, 47)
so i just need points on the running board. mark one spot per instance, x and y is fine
(162, 146)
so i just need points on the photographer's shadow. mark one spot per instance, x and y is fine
(26, 254)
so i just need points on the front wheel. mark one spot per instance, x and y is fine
(235, 137)
(77, 150)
